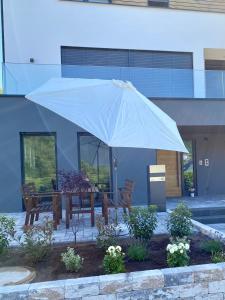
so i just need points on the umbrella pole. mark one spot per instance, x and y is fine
(116, 188)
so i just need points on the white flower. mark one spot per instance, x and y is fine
(180, 246)
(181, 251)
(168, 247)
(175, 248)
(187, 246)
(111, 249)
(118, 248)
(171, 250)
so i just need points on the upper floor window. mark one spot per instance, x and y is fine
(158, 3)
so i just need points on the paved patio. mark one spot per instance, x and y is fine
(83, 227)
(198, 202)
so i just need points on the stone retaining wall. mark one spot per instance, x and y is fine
(195, 282)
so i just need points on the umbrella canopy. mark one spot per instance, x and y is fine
(114, 111)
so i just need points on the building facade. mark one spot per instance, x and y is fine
(172, 51)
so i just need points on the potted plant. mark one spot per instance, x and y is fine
(192, 192)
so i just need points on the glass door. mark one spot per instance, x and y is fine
(94, 160)
(39, 160)
(189, 186)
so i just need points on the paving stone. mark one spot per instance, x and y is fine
(82, 287)
(118, 283)
(177, 276)
(147, 279)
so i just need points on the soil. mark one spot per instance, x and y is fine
(51, 268)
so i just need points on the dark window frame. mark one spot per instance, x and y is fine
(41, 133)
(193, 141)
(79, 134)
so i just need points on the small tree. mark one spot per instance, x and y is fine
(179, 223)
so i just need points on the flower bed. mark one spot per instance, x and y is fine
(52, 267)
(196, 282)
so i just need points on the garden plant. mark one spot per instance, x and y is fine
(72, 261)
(177, 253)
(7, 231)
(113, 261)
(179, 223)
(142, 222)
(107, 234)
(37, 241)
(137, 251)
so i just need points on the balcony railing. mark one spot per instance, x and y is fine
(20, 79)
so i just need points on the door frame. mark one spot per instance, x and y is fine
(193, 141)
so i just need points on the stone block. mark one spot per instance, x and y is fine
(165, 293)
(217, 296)
(82, 287)
(193, 290)
(54, 290)
(100, 297)
(16, 292)
(118, 283)
(147, 279)
(177, 276)
(207, 273)
(217, 287)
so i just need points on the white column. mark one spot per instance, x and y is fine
(199, 73)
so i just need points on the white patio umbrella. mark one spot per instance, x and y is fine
(112, 110)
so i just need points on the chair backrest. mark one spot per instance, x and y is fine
(27, 190)
(129, 185)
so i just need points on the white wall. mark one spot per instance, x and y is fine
(37, 28)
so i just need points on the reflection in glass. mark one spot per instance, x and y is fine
(39, 161)
(95, 161)
(188, 168)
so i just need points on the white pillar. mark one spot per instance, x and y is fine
(199, 73)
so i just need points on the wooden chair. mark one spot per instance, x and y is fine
(34, 205)
(124, 200)
(84, 205)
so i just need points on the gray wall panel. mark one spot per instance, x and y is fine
(18, 115)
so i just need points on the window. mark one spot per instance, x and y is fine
(39, 159)
(188, 168)
(158, 3)
(94, 160)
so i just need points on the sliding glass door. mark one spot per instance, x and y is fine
(39, 159)
(94, 160)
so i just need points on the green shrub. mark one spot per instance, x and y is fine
(211, 246)
(137, 251)
(73, 262)
(177, 253)
(218, 257)
(107, 234)
(7, 231)
(179, 223)
(113, 261)
(37, 241)
(141, 222)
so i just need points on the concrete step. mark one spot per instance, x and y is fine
(208, 211)
(211, 219)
